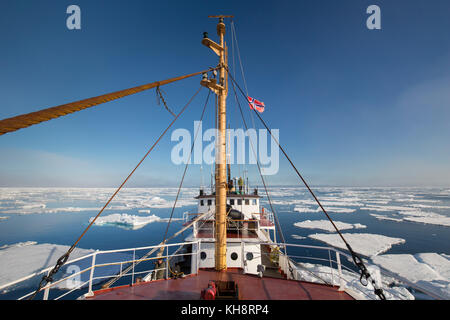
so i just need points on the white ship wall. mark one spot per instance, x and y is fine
(247, 210)
(250, 252)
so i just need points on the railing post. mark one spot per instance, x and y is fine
(90, 293)
(132, 273)
(341, 281)
(195, 229)
(198, 256)
(244, 264)
(47, 289)
(167, 262)
(331, 267)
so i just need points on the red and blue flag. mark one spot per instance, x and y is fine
(256, 105)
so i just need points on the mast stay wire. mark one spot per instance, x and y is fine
(235, 42)
(186, 167)
(277, 222)
(165, 240)
(233, 32)
(63, 259)
(356, 258)
(270, 203)
(259, 167)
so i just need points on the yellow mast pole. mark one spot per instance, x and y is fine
(221, 186)
(221, 90)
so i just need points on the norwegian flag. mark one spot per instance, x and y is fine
(255, 104)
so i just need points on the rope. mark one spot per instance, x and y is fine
(161, 98)
(356, 259)
(63, 259)
(26, 120)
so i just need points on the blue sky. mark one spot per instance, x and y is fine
(355, 107)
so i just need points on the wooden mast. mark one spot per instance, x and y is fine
(220, 88)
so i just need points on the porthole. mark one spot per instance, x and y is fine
(234, 256)
(203, 255)
(249, 256)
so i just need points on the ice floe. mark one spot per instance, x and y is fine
(327, 226)
(296, 236)
(20, 260)
(417, 216)
(46, 200)
(429, 271)
(392, 291)
(383, 217)
(366, 244)
(127, 221)
(436, 219)
(328, 209)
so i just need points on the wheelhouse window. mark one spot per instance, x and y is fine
(202, 203)
(239, 202)
(247, 202)
(209, 202)
(232, 202)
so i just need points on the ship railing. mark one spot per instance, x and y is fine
(331, 266)
(310, 263)
(90, 265)
(190, 216)
(246, 228)
(266, 216)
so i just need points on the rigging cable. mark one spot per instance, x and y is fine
(259, 169)
(280, 230)
(356, 259)
(109, 283)
(186, 167)
(63, 259)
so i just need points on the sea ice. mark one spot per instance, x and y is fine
(26, 258)
(366, 244)
(126, 220)
(350, 281)
(328, 209)
(327, 226)
(22, 259)
(429, 271)
(296, 236)
(382, 217)
(36, 200)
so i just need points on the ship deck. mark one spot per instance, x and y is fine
(250, 288)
